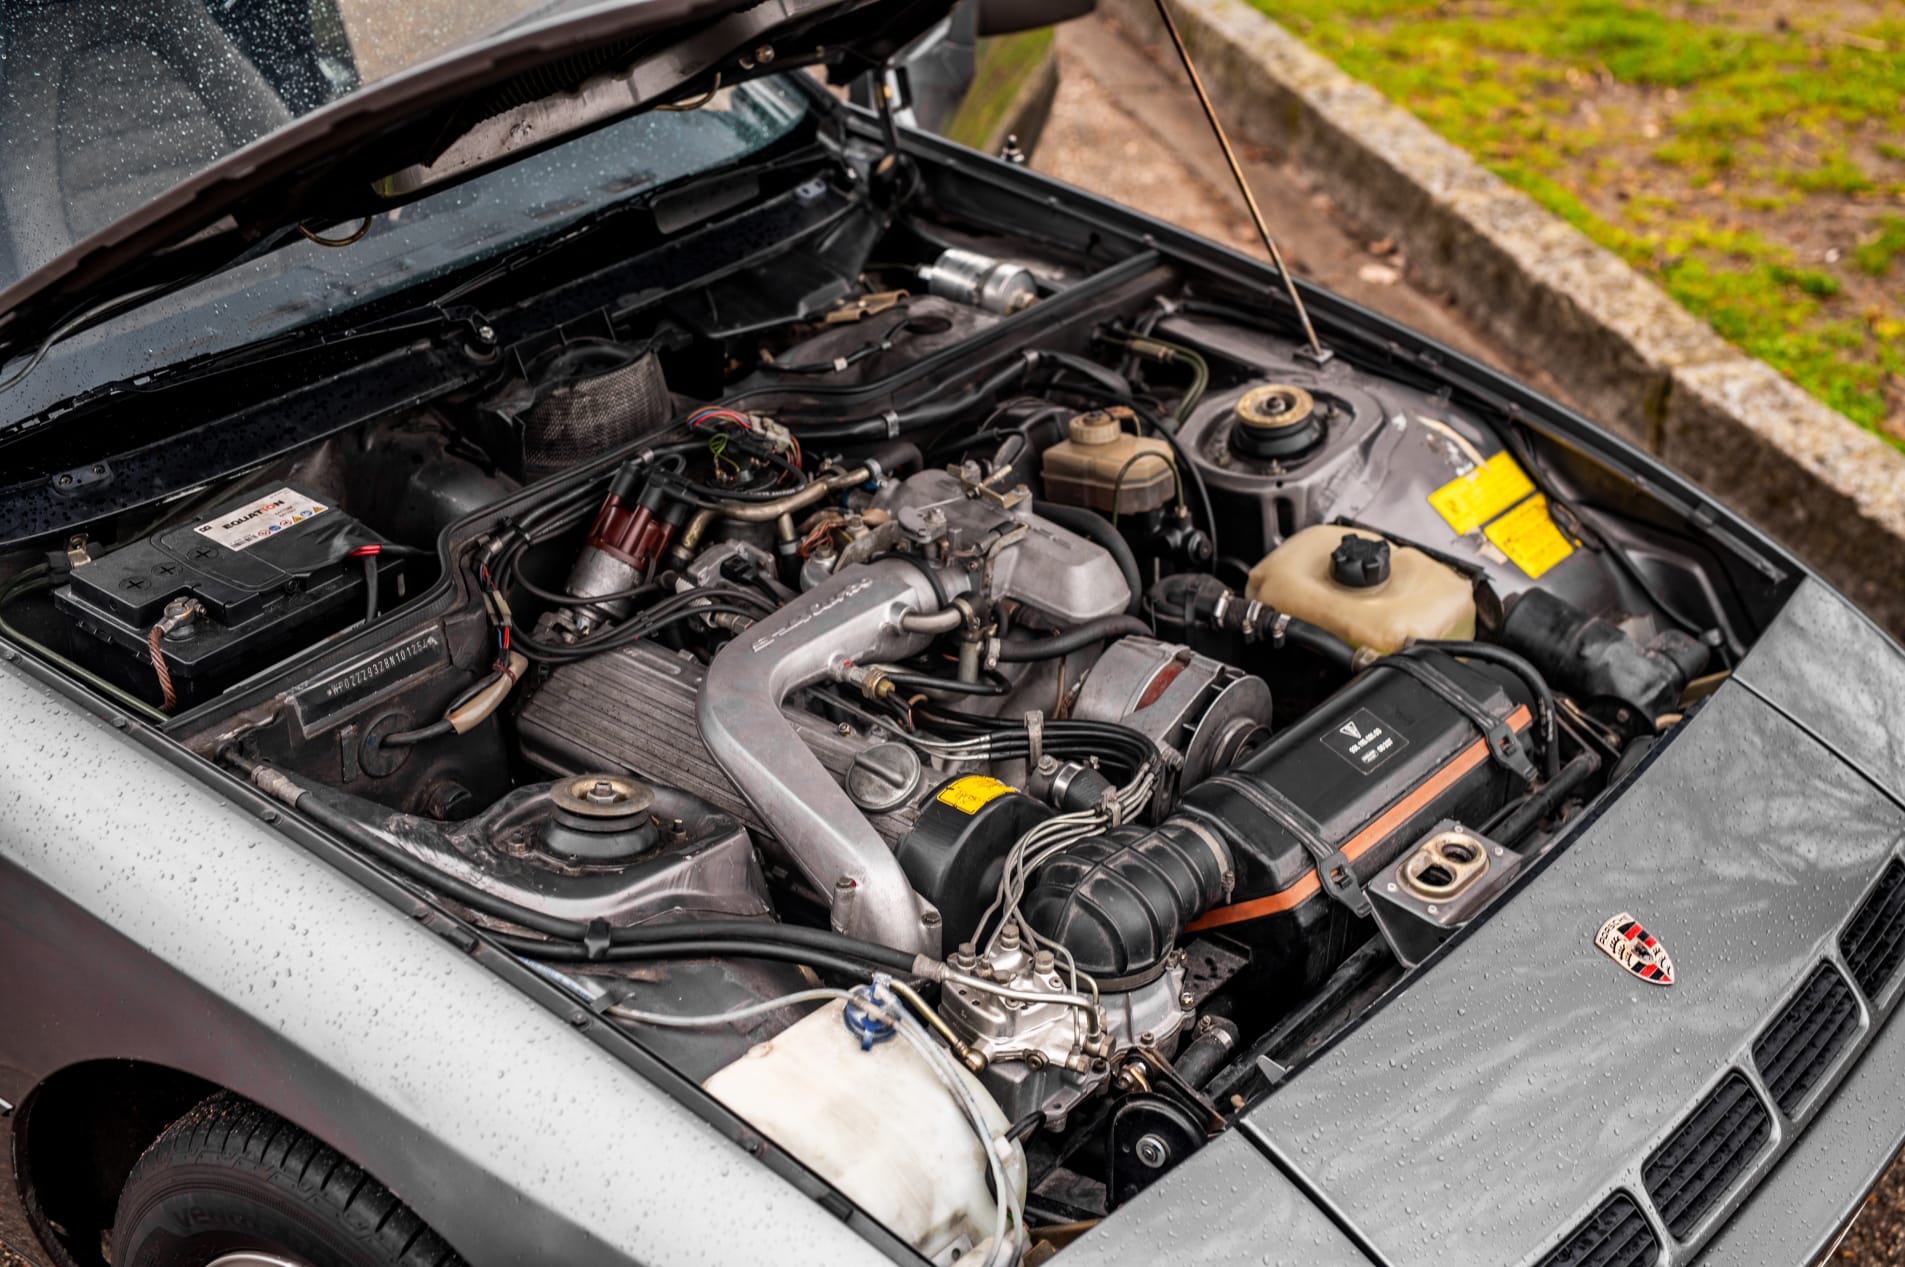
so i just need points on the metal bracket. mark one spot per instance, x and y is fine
(866, 306)
(1332, 867)
(1504, 745)
(1163, 1074)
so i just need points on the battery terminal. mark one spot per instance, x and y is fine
(175, 622)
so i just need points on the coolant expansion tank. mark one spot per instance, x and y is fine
(1364, 590)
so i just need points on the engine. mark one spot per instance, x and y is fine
(954, 735)
(1047, 700)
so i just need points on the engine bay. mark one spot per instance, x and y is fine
(1019, 687)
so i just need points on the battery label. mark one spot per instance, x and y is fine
(1364, 740)
(245, 526)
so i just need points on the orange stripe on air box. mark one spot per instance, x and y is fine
(1363, 841)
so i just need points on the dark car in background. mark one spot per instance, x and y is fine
(612, 658)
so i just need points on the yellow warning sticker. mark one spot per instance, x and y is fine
(1471, 500)
(1528, 536)
(967, 795)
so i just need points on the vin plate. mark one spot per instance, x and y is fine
(1364, 740)
(344, 689)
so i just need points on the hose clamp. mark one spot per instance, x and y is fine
(1035, 733)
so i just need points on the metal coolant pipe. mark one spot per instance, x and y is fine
(855, 616)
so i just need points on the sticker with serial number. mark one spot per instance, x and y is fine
(1528, 536)
(1364, 740)
(245, 526)
(1469, 501)
(970, 794)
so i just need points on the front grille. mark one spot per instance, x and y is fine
(1616, 1235)
(1700, 1161)
(1801, 1044)
(1874, 942)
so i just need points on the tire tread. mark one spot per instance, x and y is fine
(227, 1130)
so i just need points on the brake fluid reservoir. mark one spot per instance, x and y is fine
(879, 1124)
(1101, 466)
(1363, 590)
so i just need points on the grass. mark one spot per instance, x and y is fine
(1875, 256)
(1002, 66)
(1754, 167)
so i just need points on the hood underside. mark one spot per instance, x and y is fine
(566, 69)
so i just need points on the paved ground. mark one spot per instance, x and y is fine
(1877, 1239)
(1126, 125)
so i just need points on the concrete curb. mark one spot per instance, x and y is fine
(1031, 107)
(1617, 345)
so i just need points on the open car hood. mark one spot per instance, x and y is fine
(564, 68)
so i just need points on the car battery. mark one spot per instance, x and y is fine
(266, 575)
(1407, 744)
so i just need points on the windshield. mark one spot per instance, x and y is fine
(105, 104)
(530, 197)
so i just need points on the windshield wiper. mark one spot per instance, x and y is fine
(428, 318)
(74, 324)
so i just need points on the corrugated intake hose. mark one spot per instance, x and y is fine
(1120, 901)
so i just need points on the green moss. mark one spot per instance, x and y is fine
(1808, 281)
(1875, 257)
(1835, 173)
(1732, 101)
(1002, 66)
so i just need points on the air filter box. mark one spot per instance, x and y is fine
(1365, 773)
(269, 574)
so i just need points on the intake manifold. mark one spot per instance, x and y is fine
(851, 618)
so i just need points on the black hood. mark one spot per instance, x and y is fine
(560, 69)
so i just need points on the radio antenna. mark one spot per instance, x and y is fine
(1317, 352)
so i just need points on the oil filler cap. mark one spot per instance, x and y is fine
(1360, 562)
(883, 776)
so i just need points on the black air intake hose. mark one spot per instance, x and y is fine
(1595, 661)
(1187, 600)
(1119, 901)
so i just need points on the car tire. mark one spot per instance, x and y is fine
(231, 1180)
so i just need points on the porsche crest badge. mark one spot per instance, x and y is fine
(1623, 940)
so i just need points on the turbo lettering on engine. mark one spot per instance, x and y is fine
(810, 615)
